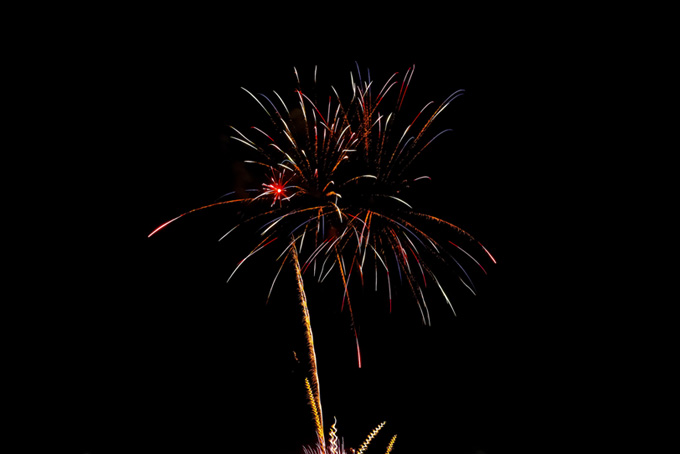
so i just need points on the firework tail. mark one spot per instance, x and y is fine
(370, 438)
(333, 439)
(391, 445)
(314, 406)
(315, 396)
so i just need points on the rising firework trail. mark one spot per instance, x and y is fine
(333, 196)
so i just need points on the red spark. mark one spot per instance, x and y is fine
(276, 187)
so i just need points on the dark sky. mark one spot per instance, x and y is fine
(151, 350)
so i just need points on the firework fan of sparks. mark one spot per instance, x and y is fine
(334, 173)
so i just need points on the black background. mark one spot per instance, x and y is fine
(143, 347)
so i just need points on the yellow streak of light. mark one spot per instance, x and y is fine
(370, 438)
(314, 389)
(391, 445)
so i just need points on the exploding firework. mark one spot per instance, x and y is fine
(334, 178)
(332, 198)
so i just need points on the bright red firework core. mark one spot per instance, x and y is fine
(276, 189)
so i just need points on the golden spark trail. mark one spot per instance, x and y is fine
(313, 404)
(370, 438)
(391, 445)
(333, 438)
(312, 353)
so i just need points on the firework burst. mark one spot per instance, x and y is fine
(335, 174)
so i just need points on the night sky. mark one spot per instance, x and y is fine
(150, 350)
